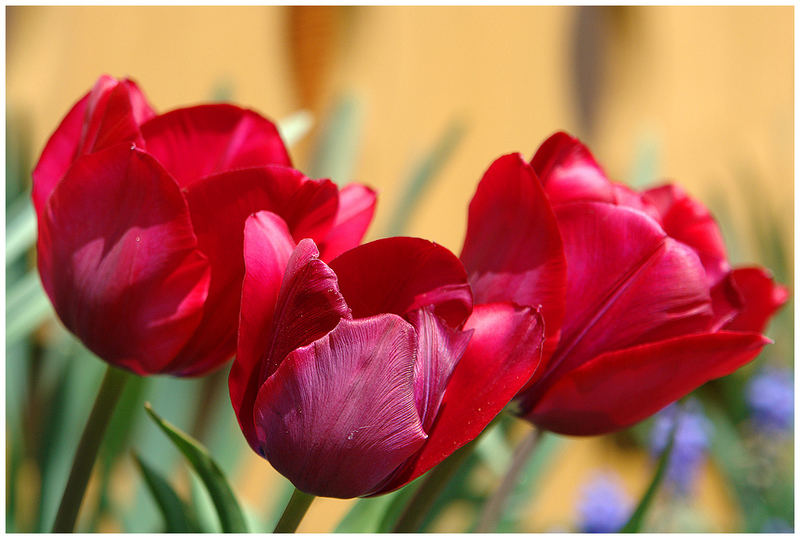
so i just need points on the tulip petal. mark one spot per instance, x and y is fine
(620, 388)
(110, 113)
(512, 250)
(356, 208)
(569, 172)
(219, 206)
(267, 249)
(338, 416)
(502, 355)
(689, 221)
(438, 350)
(399, 275)
(761, 298)
(119, 259)
(196, 142)
(627, 283)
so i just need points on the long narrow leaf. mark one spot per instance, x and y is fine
(336, 147)
(27, 306)
(228, 508)
(634, 524)
(21, 230)
(177, 514)
(293, 128)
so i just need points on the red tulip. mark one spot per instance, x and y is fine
(349, 376)
(639, 301)
(141, 222)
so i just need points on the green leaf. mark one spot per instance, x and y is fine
(21, 229)
(636, 520)
(422, 176)
(27, 306)
(228, 508)
(293, 128)
(336, 147)
(177, 513)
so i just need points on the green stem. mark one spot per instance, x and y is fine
(426, 494)
(110, 391)
(493, 509)
(294, 512)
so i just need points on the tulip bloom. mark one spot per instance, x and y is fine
(640, 303)
(351, 377)
(141, 221)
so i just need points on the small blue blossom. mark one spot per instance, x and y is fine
(604, 506)
(770, 396)
(690, 446)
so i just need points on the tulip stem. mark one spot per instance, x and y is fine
(420, 504)
(294, 512)
(86, 454)
(494, 506)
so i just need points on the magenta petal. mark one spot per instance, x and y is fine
(196, 142)
(119, 259)
(356, 208)
(513, 250)
(438, 350)
(569, 173)
(627, 283)
(399, 275)
(617, 389)
(267, 249)
(761, 298)
(219, 207)
(338, 415)
(502, 355)
(688, 221)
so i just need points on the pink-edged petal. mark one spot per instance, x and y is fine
(502, 355)
(399, 275)
(627, 284)
(338, 416)
(196, 142)
(219, 206)
(119, 259)
(309, 305)
(267, 249)
(689, 221)
(618, 389)
(761, 298)
(356, 208)
(78, 131)
(569, 173)
(438, 350)
(513, 250)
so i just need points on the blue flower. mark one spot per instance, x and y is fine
(690, 446)
(770, 396)
(604, 506)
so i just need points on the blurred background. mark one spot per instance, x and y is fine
(417, 102)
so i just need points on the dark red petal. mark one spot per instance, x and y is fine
(617, 389)
(569, 173)
(309, 305)
(119, 259)
(196, 142)
(438, 350)
(688, 221)
(219, 206)
(399, 275)
(267, 248)
(356, 208)
(338, 416)
(627, 284)
(512, 250)
(109, 114)
(761, 298)
(501, 357)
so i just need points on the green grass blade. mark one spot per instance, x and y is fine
(27, 306)
(422, 176)
(634, 523)
(177, 514)
(21, 230)
(337, 145)
(228, 509)
(293, 128)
